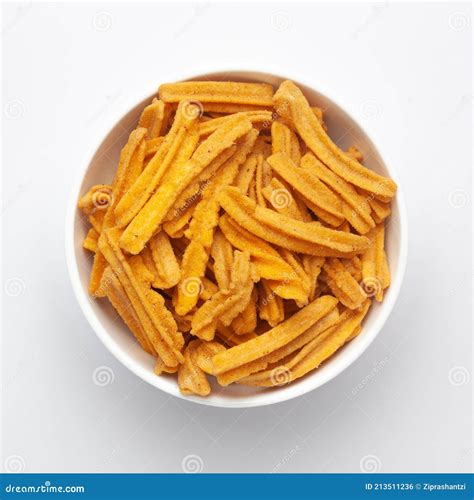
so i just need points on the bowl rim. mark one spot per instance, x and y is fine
(102, 130)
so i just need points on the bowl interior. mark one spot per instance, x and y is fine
(345, 132)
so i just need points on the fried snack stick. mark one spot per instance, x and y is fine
(161, 368)
(227, 335)
(203, 224)
(269, 263)
(313, 353)
(246, 321)
(256, 94)
(325, 203)
(375, 272)
(140, 270)
(319, 114)
(275, 338)
(210, 126)
(294, 108)
(259, 181)
(225, 305)
(246, 174)
(281, 199)
(270, 305)
(312, 265)
(191, 379)
(117, 296)
(129, 165)
(285, 141)
(199, 184)
(156, 320)
(166, 265)
(380, 210)
(204, 354)
(152, 214)
(281, 354)
(356, 208)
(223, 255)
(354, 266)
(152, 118)
(309, 238)
(299, 272)
(343, 285)
(152, 146)
(175, 227)
(177, 147)
(90, 241)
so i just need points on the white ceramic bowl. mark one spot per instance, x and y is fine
(99, 167)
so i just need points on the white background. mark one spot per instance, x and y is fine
(405, 71)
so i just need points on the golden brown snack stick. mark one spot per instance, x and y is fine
(161, 368)
(285, 141)
(380, 210)
(225, 305)
(209, 288)
(165, 261)
(152, 118)
(319, 114)
(140, 270)
(276, 337)
(299, 272)
(152, 214)
(281, 199)
(90, 241)
(356, 209)
(313, 353)
(152, 146)
(270, 305)
(191, 379)
(210, 126)
(96, 220)
(204, 354)
(259, 182)
(312, 265)
(246, 174)
(193, 268)
(227, 335)
(282, 353)
(218, 109)
(176, 226)
(115, 292)
(176, 149)
(307, 184)
(344, 282)
(310, 238)
(246, 321)
(269, 263)
(256, 94)
(354, 266)
(375, 272)
(223, 255)
(156, 320)
(293, 107)
(197, 185)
